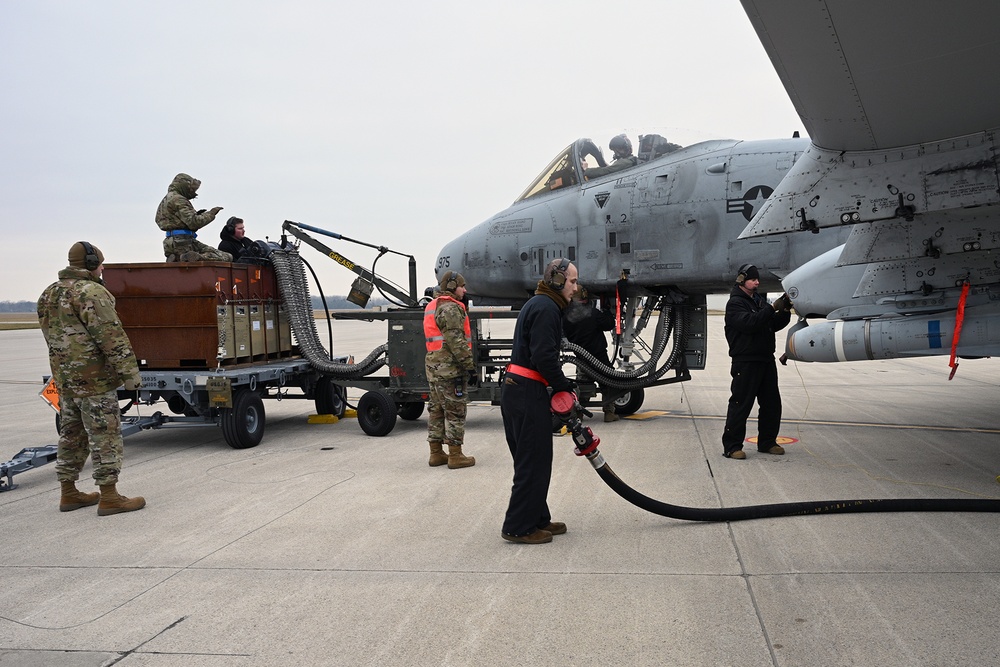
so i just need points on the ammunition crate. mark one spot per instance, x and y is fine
(200, 314)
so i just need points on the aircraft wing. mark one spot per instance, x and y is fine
(897, 98)
(873, 74)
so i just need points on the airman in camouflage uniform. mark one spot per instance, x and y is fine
(90, 357)
(176, 216)
(449, 368)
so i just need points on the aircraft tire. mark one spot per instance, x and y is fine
(629, 403)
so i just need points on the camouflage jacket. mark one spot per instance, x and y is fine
(454, 359)
(176, 210)
(89, 352)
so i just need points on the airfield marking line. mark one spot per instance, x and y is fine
(827, 422)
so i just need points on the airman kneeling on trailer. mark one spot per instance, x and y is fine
(90, 357)
(450, 369)
(176, 216)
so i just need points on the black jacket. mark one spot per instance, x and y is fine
(538, 339)
(231, 244)
(585, 325)
(750, 326)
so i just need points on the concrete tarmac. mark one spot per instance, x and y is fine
(324, 546)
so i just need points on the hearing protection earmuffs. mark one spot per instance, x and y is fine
(741, 277)
(450, 283)
(557, 275)
(91, 261)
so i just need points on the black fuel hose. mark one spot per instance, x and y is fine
(805, 508)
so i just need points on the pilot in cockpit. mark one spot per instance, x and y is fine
(622, 149)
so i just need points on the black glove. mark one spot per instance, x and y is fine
(473, 378)
(782, 304)
(571, 387)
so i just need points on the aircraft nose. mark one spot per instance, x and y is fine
(449, 258)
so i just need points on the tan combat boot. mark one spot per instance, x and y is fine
(438, 457)
(73, 499)
(114, 503)
(456, 459)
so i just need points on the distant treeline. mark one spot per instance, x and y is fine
(17, 306)
(332, 302)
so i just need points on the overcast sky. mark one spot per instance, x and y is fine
(396, 123)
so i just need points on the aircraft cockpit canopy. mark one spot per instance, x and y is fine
(563, 171)
(568, 168)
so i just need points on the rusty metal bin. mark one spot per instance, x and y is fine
(188, 314)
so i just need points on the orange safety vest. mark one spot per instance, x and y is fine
(432, 333)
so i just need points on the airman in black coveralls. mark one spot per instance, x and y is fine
(751, 323)
(525, 404)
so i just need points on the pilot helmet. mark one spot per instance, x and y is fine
(621, 145)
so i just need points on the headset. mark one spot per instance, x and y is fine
(557, 275)
(741, 277)
(451, 283)
(91, 261)
(231, 224)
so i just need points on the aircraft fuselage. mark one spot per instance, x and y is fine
(671, 223)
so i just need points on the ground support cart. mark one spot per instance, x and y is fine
(403, 391)
(230, 397)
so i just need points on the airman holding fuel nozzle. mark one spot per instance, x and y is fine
(526, 406)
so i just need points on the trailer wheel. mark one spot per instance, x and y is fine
(376, 413)
(329, 397)
(629, 403)
(411, 411)
(243, 424)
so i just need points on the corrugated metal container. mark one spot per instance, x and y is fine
(197, 314)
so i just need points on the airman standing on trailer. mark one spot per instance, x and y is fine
(177, 218)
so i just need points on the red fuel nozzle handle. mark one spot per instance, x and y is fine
(562, 403)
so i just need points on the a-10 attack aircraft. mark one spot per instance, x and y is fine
(877, 220)
(658, 236)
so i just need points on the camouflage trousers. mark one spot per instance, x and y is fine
(446, 412)
(178, 245)
(90, 426)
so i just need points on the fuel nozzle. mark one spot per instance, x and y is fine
(567, 409)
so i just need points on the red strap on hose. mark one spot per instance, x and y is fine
(618, 312)
(959, 318)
